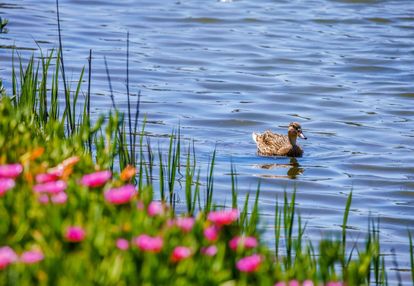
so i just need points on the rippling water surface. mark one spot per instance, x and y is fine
(220, 70)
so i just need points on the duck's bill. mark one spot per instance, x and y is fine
(302, 136)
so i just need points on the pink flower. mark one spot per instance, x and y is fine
(10, 170)
(31, 257)
(51, 187)
(46, 178)
(211, 233)
(334, 283)
(149, 243)
(43, 199)
(294, 283)
(7, 256)
(185, 223)
(155, 208)
(75, 234)
(122, 244)
(96, 179)
(59, 198)
(209, 250)
(223, 217)
(243, 242)
(121, 195)
(249, 263)
(5, 185)
(180, 253)
(140, 206)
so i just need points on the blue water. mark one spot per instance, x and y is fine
(223, 69)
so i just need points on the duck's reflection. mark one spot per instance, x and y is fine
(293, 171)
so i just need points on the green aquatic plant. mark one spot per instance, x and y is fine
(3, 24)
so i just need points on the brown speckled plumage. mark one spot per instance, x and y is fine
(273, 144)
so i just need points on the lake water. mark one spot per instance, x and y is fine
(344, 69)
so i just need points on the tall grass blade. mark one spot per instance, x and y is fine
(278, 226)
(411, 256)
(233, 187)
(254, 217)
(210, 183)
(66, 90)
(344, 227)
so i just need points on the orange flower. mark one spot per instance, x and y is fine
(128, 173)
(36, 153)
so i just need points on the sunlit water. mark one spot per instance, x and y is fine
(222, 69)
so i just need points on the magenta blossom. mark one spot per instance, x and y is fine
(249, 263)
(7, 257)
(180, 253)
(5, 185)
(223, 217)
(243, 242)
(334, 283)
(75, 234)
(31, 257)
(121, 195)
(46, 178)
(43, 199)
(10, 170)
(59, 198)
(211, 233)
(155, 208)
(96, 179)
(307, 283)
(209, 250)
(185, 223)
(54, 187)
(122, 244)
(148, 243)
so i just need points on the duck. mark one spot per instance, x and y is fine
(273, 144)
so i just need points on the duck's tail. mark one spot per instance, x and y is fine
(254, 136)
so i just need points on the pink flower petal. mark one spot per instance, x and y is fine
(7, 257)
(10, 170)
(180, 253)
(96, 179)
(46, 178)
(155, 208)
(185, 223)
(51, 187)
(223, 217)
(31, 257)
(243, 242)
(211, 233)
(148, 243)
(75, 234)
(249, 263)
(43, 199)
(122, 244)
(209, 250)
(59, 198)
(5, 185)
(307, 283)
(121, 195)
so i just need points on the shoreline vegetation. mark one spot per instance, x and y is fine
(78, 204)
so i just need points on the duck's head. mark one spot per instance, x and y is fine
(294, 131)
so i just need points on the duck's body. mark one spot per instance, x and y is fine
(273, 144)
